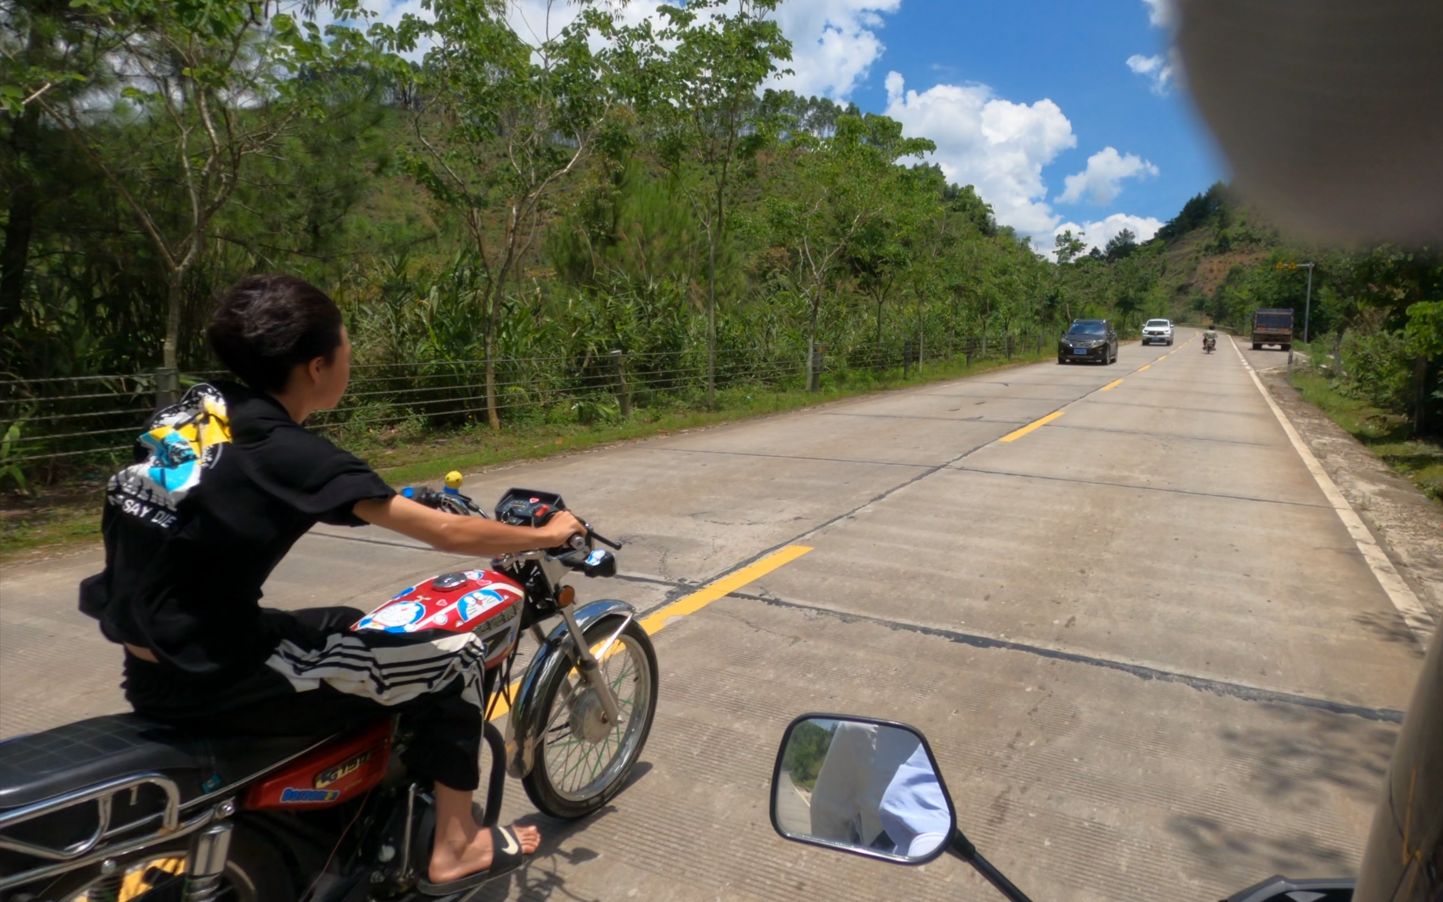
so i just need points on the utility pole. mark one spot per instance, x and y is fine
(1308, 304)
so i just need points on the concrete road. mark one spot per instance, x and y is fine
(1150, 658)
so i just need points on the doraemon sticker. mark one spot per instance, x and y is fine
(475, 604)
(397, 617)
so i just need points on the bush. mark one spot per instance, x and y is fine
(1378, 367)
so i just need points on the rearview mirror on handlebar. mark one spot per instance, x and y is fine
(864, 786)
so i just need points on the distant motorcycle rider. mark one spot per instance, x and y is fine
(1210, 338)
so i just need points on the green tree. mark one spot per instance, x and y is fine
(1121, 245)
(897, 241)
(182, 97)
(695, 86)
(501, 124)
(1068, 247)
(1424, 337)
(841, 186)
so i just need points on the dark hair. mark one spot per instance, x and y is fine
(264, 325)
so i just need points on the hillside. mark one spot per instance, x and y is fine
(1196, 262)
(1377, 310)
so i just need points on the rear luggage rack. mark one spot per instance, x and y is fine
(96, 847)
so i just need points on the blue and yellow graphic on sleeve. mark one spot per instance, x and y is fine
(183, 441)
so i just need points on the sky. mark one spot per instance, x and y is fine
(1063, 114)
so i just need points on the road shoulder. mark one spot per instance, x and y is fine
(1407, 523)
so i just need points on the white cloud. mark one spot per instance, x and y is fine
(1160, 13)
(1159, 70)
(834, 43)
(998, 146)
(1099, 232)
(1101, 181)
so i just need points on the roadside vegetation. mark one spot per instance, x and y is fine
(1386, 433)
(499, 210)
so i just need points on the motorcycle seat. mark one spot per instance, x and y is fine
(45, 765)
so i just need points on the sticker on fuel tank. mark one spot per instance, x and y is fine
(393, 618)
(474, 604)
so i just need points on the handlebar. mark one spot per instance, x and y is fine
(525, 508)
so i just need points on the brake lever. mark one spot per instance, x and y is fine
(601, 538)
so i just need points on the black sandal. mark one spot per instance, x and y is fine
(506, 856)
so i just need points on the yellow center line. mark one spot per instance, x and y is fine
(1145, 367)
(658, 620)
(1111, 385)
(1036, 424)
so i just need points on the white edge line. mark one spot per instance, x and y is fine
(1414, 614)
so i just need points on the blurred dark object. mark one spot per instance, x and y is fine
(1330, 112)
(1404, 858)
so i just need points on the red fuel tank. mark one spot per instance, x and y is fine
(483, 602)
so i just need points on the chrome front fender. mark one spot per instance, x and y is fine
(523, 727)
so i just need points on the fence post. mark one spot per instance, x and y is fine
(167, 386)
(814, 365)
(1009, 345)
(623, 390)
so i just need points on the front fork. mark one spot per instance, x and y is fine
(590, 666)
(564, 649)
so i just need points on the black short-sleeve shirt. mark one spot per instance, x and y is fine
(188, 586)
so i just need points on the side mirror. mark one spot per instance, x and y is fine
(860, 785)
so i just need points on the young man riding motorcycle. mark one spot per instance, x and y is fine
(1210, 337)
(192, 534)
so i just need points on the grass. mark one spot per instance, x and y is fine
(55, 522)
(1383, 432)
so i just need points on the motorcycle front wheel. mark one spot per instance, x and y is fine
(581, 759)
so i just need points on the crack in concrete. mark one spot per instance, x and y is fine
(1240, 691)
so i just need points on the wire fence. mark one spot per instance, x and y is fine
(55, 427)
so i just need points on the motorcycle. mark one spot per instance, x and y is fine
(873, 788)
(123, 808)
(1209, 343)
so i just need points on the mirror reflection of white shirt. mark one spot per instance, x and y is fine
(861, 762)
(914, 810)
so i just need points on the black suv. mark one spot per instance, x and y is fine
(1088, 339)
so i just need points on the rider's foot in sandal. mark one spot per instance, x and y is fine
(489, 852)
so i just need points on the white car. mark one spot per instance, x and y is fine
(1157, 330)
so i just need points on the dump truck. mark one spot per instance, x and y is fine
(1273, 326)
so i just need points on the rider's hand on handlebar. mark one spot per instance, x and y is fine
(559, 529)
